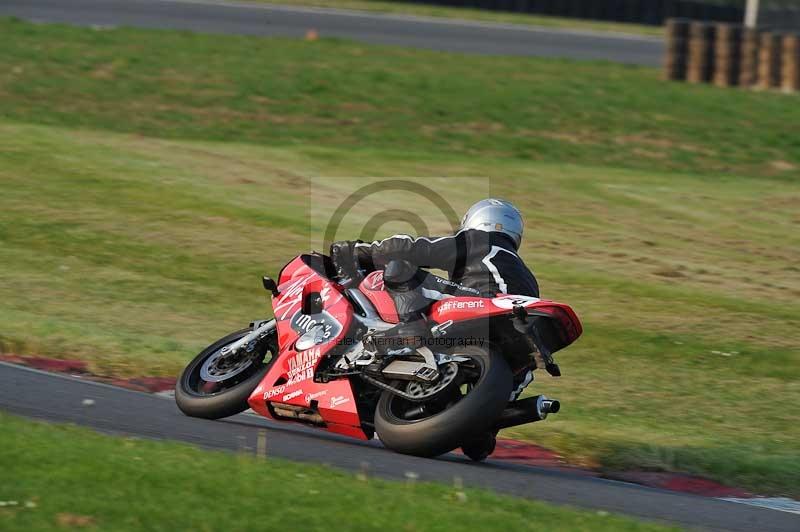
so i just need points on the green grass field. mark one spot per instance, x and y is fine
(148, 179)
(127, 484)
(480, 15)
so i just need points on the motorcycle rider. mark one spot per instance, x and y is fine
(481, 261)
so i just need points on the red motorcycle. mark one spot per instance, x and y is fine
(309, 364)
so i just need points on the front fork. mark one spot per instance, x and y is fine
(261, 329)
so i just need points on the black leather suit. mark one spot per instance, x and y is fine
(478, 263)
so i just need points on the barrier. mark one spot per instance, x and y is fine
(700, 64)
(790, 68)
(728, 55)
(748, 68)
(769, 61)
(677, 34)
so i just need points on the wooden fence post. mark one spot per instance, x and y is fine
(701, 57)
(769, 61)
(748, 69)
(677, 33)
(726, 59)
(790, 71)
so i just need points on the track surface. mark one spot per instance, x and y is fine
(115, 410)
(419, 32)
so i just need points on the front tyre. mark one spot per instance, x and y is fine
(468, 407)
(213, 387)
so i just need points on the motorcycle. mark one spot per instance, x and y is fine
(312, 363)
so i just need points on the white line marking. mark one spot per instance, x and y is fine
(782, 504)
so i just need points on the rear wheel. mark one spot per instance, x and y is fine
(468, 406)
(213, 386)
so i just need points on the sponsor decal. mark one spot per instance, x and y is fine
(338, 400)
(461, 305)
(513, 301)
(269, 394)
(303, 323)
(291, 395)
(301, 366)
(326, 326)
(316, 395)
(374, 281)
(290, 297)
(448, 282)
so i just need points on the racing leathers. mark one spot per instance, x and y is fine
(484, 261)
(478, 264)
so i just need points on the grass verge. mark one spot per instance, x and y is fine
(147, 180)
(418, 103)
(65, 477)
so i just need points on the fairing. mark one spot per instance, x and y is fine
(472, 308)
(290, 379)
(372, 286)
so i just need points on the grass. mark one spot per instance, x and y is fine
(480, 15)
(149, 486)
(147, 180)
(338, 94)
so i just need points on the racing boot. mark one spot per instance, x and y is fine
(403, 281)
(402, 339)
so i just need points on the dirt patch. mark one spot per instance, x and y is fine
(571, 138)
(74, 520)
(782, 166)
(105, 71)
(669, 272)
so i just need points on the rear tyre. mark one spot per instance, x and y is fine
(451, 417)
(213, 391)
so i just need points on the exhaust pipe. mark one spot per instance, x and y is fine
(527, 411)
(549, 406)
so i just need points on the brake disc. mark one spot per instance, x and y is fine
(212, 371)
(421, 391)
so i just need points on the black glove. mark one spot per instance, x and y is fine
(343, 256)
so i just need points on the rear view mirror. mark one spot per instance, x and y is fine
(270, 285)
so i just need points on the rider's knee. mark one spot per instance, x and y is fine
(400, 275)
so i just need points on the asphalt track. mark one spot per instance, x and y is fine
(271, 20)
(52, 397)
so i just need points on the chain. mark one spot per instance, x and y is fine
(392, 389)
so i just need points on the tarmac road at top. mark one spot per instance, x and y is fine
(401, 30)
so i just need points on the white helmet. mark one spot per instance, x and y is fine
(495, 215)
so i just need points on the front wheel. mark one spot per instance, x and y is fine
(213, 386)
(469, 406)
